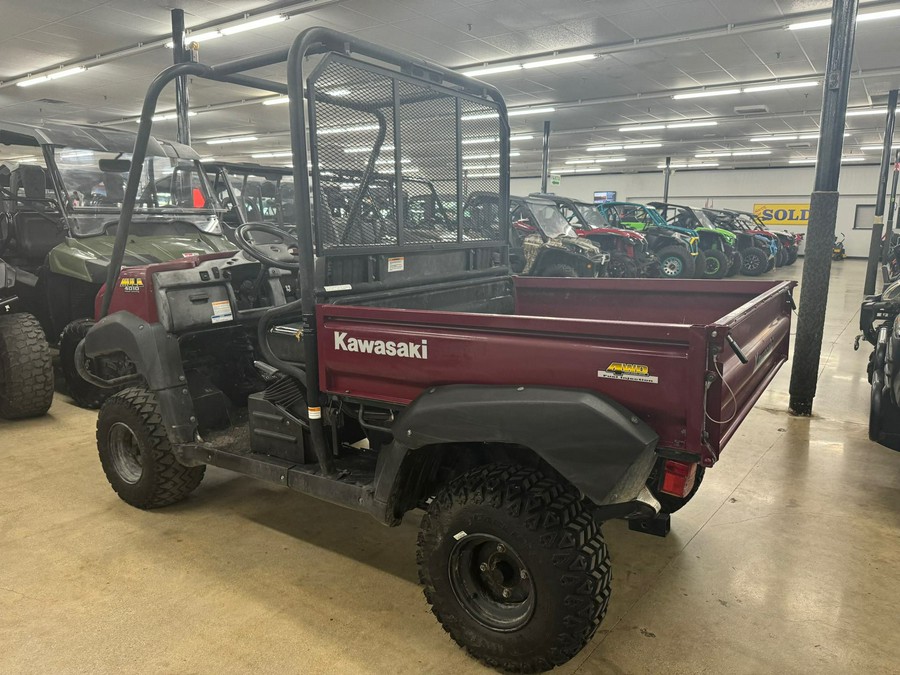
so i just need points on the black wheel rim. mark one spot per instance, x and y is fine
(712, 265)
(753, 262)
(491, 582)
(125, 453)
(672, 266)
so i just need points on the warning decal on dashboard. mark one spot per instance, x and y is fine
(221, 311)
(633, 372)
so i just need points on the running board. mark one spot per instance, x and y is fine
(303, 478)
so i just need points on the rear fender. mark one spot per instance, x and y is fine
(157, 357)
(593, 442)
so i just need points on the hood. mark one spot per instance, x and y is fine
(88, 258)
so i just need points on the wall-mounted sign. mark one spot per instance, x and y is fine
(782, 214)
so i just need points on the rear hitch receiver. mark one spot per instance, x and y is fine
(658, 526)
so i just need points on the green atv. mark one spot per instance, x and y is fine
(719, 246)
(60, 199)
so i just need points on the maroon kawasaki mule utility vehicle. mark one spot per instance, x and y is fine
(367, 365)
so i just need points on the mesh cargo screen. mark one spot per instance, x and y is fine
(363, 200)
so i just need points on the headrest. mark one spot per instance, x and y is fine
(115, 188)
(268, 189)
(33, 181)
(4, 175)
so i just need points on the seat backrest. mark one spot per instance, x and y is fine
(35, 235)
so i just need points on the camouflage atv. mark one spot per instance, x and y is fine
(544, 244)
(60, 200)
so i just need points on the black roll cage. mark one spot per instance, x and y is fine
(312, 41)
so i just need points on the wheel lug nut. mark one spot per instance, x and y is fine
(483, 567)
(523, 574)
(506, 593)
(501, 548)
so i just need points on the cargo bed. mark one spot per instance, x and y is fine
(657, 347)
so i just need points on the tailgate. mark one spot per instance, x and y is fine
(761, 328)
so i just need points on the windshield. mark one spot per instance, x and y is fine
(551, 220)
(170, 189)
(591, 215)
(704, 219)
(264, 198)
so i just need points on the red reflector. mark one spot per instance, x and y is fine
(678, 478)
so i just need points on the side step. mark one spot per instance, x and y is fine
(299, 477)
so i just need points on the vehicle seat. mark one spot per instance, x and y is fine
(35, 233)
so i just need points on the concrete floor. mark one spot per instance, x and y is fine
(785, 562)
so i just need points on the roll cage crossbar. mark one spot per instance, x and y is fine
(313, 41)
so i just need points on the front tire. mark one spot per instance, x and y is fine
(700, 265)
(754, 262)
(136, 455)
(26, 368)
(514, 567)
(622, 267)
(737, 261)
(716, 265)
(675, 263)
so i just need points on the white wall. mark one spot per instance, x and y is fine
(734, 188)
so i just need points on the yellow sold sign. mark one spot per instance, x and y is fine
(782, 214)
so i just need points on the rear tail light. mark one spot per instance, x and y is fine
(678, 478)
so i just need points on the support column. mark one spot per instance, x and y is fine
(182, 98)
(823, 208)
(892, 209)
(877, 224)
(545, 157)
(667, 171)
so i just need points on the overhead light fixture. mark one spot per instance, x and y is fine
(712, 154)
(325, 131)
(778, 86)
(545, 63)
(353, 151)
(855, 158)
(267, 155)
(774, 137)
(643, 127)
(520, 137)
(704, 94)
(736, 153)
(338, 92)
(602, 148)
(253, 25)
(162, 117)
(867, 111)
(877, 147)
(277, 100)
(641, 146)
(691, 125)
(231, 139)
(493, 155)
(580, 161)
(390, 160)
(37, 79)
(601, 160)
(481, 167)
(692, 165)
(871, 16)
(491, 70)
(484, 175)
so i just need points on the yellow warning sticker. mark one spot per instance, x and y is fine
(633, 372)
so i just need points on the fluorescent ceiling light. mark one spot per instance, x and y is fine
(203, 37)
(855, 158)
(774, 137)
(693, 165)
(775, 87)
(490, 70)
(520, 137)
(672, 166)
(276, 100)
(488, 156)
(641, 146)
(580, 161)
(484, 175)
(162, 117)
(643, 127)
(866, 147)
(390, 160)
(480, 140)
(265, 155)
(691, 125)
(325, 131)
(252, 25)
(713, 154)
(231, 139)
(353, 151)
(868, 111)
(530, 111)
(51, 76)
(748, 153)
(704, 94)
(818, 23)
(600, 160)
(556, 62)
(602, 148)
(871, 16)
(338, 92)
(481, 167)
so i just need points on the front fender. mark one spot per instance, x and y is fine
(592, 441)
(157, 357)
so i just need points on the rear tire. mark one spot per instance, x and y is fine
(514, 567)
(792, 256)
(85, 394)
(26, 368)
(136, 455)
(716, 265)
(780, 258)
(675, 263)
(754, 262)
(559, 271)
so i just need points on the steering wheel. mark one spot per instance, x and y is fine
(278, 250)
